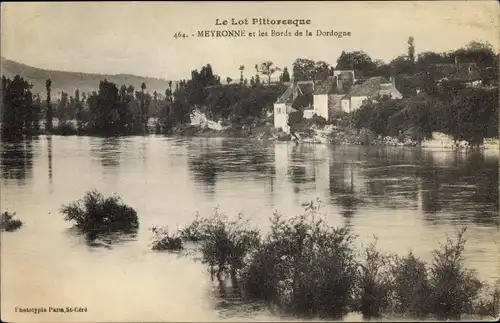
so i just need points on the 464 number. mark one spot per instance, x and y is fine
(180, 35)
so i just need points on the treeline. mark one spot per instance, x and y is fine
(113, 110)
(468, 114)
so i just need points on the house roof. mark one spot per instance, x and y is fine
(370, 87)
(464, 72)
(326, 87)
(301, 87)
(329, 86)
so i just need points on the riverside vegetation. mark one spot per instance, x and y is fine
(305, 267)
(243, 106)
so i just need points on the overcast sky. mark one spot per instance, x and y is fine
(137, 38)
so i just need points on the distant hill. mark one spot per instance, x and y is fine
(70, 81)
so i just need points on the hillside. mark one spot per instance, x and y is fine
(70, 81)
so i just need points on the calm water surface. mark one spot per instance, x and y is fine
(408, 198)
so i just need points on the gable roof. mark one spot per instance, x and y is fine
(370, 87)
(301, 87)
(326, 87)
(329, 86)
(464, 72)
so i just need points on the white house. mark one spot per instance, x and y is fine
(369, 90)
(297, 94)
(328, 94)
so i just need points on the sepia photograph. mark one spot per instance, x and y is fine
(208, 161)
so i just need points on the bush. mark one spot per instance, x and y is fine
(195, 231)
(304, 266)
(453, 288)
(411, 286)
(94, 214)
(490, 304)
(226, 243)
(7, 223)
(163, 240)
(374, 282)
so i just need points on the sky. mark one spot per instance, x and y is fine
(138, 38)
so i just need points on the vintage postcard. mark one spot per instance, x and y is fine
(249, 161)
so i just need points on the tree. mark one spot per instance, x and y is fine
(285, 76)
(18, 115)
(144, 108)
(411, 49)
(321, 71)
(267, 68)
(79, 111)
(358, 61)
(228, 80)
(49, 116)
(242, 68)
(303, 69)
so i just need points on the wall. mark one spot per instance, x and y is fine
(308, 113)
(281, 117)
(357, 102)
(321, 105)
(334, 104)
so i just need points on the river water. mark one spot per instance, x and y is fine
(407, 198)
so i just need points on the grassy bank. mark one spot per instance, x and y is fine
(304, 267)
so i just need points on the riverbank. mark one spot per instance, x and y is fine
(330, 135)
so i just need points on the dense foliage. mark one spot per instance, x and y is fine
(470, 115)
(96, 215)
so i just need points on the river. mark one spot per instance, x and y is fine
(408, 198)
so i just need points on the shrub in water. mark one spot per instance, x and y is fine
(226, 243)
(411, 286)
(163, 240)
(196, 230)
(8, 223)
(374, 284)
(304, 266)
(453, 288)
(94, 214)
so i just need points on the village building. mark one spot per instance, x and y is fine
(371, 89)
(465, 74)
(328, 94)
(298, 95)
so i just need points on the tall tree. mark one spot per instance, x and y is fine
(411, 49)
(143, 108)
(285, 76)
(241, 68)
(49, 116)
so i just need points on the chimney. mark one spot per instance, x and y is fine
(457, 63)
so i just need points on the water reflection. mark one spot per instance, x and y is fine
(108, 152)
(17, 160)
(103, 239)
(49, 156)
(243, 160)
